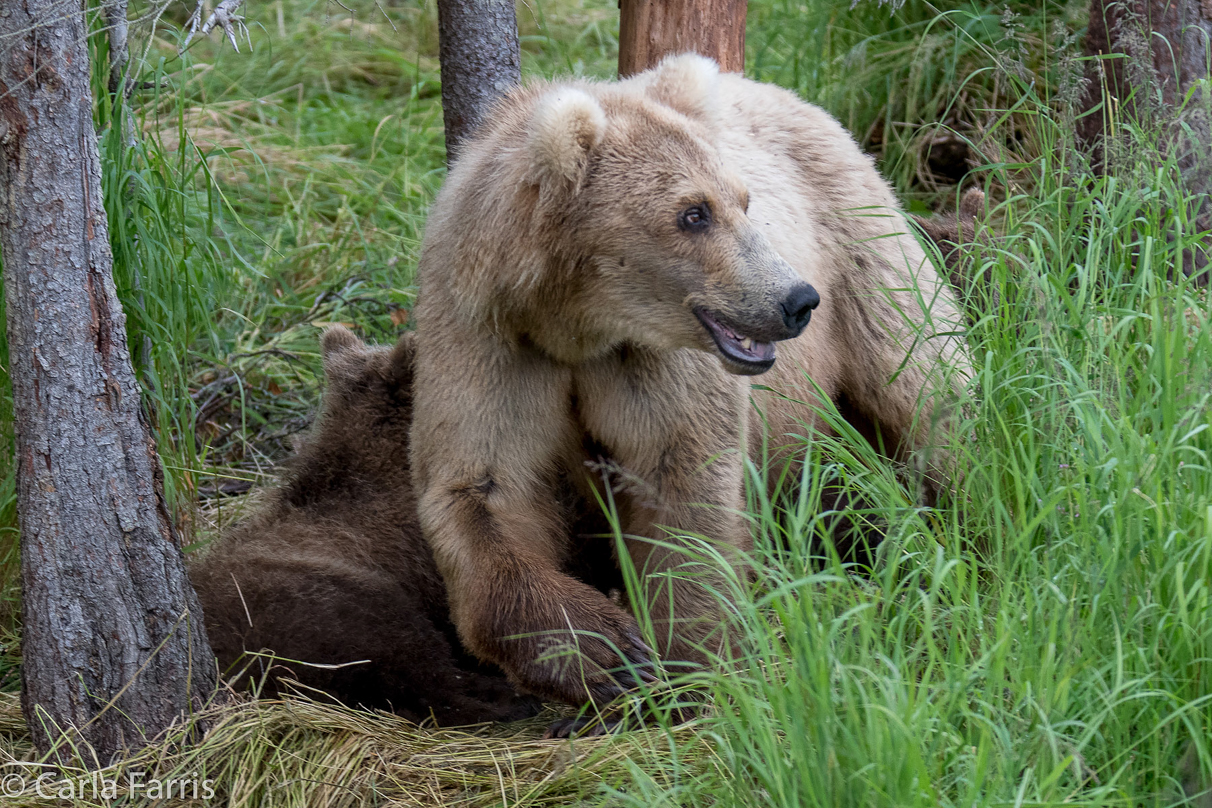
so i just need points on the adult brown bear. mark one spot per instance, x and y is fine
(330, 572)
(605, 265)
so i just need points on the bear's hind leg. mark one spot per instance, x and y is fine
(908, 363)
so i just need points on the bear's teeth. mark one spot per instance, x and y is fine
(746, 343)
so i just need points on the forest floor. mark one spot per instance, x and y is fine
(1045, 640)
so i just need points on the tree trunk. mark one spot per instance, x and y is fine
(480, 61)
(650, 30)
(117, 29)
(1156, 77)
(114, 650)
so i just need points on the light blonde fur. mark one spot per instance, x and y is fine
(556, 325)
(564, 129)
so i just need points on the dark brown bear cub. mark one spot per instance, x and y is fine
(331, 568)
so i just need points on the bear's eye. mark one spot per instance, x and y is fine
(695, 219)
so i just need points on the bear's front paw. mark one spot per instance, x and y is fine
(582, 649)
(597, 660)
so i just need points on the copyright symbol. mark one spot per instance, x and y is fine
(12, 785)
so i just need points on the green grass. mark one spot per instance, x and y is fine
(1044, 639)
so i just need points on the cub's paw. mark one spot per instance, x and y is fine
(489, 697)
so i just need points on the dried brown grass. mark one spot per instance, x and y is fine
(300, 752)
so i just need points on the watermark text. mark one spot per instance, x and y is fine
(99, 786)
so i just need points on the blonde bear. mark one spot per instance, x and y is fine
(607, 269)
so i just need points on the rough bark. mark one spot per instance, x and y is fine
(650, 30)
(480, 61)
(1150, 64)
(114, 650)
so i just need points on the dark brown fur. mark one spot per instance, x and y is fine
(954, 234)
(331, 567)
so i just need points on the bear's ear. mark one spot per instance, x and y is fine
(336, 339)
(402, 355)
(972, 204)
(342, 352)
(686, 83)
(566, 126)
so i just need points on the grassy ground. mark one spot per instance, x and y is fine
(1046, 639)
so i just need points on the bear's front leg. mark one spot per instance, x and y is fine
(673, 424)
(487, 453)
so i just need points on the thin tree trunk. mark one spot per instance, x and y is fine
(480, 61)
(650, 30)
(119, 52)
(118, 30)
(114, 650)
(1156, 77)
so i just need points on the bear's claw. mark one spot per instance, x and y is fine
(631, 678)
(584, 726)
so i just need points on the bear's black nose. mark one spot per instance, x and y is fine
(797, 308)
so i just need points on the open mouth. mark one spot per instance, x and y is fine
(743, 354)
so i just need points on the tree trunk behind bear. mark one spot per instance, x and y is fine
(480, 61)
(108, 612)
(1157, 76)
(650, 30)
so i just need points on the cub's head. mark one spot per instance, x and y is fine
(651, 225)
(366, 413)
